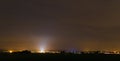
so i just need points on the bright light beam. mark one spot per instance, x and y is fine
(42, 47)
(42, 50)
(44, 44)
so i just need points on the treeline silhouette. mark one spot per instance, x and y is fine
(27, 55)
(60, 52)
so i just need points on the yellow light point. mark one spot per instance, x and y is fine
(10, 51)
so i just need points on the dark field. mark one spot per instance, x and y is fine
(59, 57)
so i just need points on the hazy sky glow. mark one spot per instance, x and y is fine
(79, 24)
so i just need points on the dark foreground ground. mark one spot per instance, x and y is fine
(59, 57)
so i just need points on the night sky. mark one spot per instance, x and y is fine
(60, 24)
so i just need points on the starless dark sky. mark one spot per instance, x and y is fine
(79, 24)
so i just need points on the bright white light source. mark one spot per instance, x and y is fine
(42, 50)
